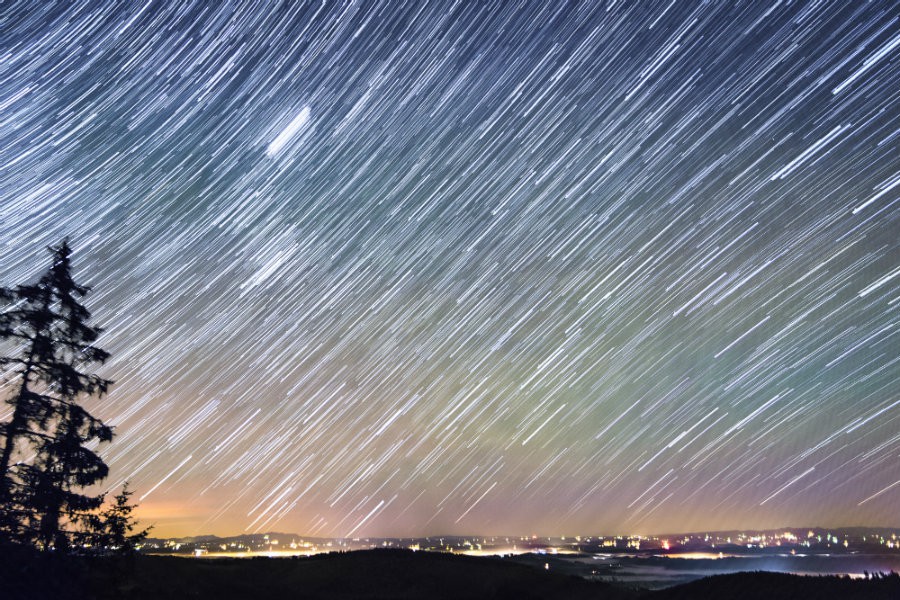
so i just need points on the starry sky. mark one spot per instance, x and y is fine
(406, 268)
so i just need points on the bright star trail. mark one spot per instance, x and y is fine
(412, 268)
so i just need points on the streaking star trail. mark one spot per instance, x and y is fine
(396, 269)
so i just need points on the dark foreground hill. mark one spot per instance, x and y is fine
(376, 574)
(370, 575)
(762, 585)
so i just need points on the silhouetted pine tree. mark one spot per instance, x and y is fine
(115, 527)
(49, 327)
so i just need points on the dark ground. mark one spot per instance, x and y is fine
(781, 586)
(376, 574)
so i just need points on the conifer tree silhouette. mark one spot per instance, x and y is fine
(49, 329)
(115, 527)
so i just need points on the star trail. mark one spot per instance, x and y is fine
(410, 268)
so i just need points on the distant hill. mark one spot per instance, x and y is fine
(201, 539)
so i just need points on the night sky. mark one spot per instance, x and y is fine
(482, 268)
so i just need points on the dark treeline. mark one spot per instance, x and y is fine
(46, 458)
